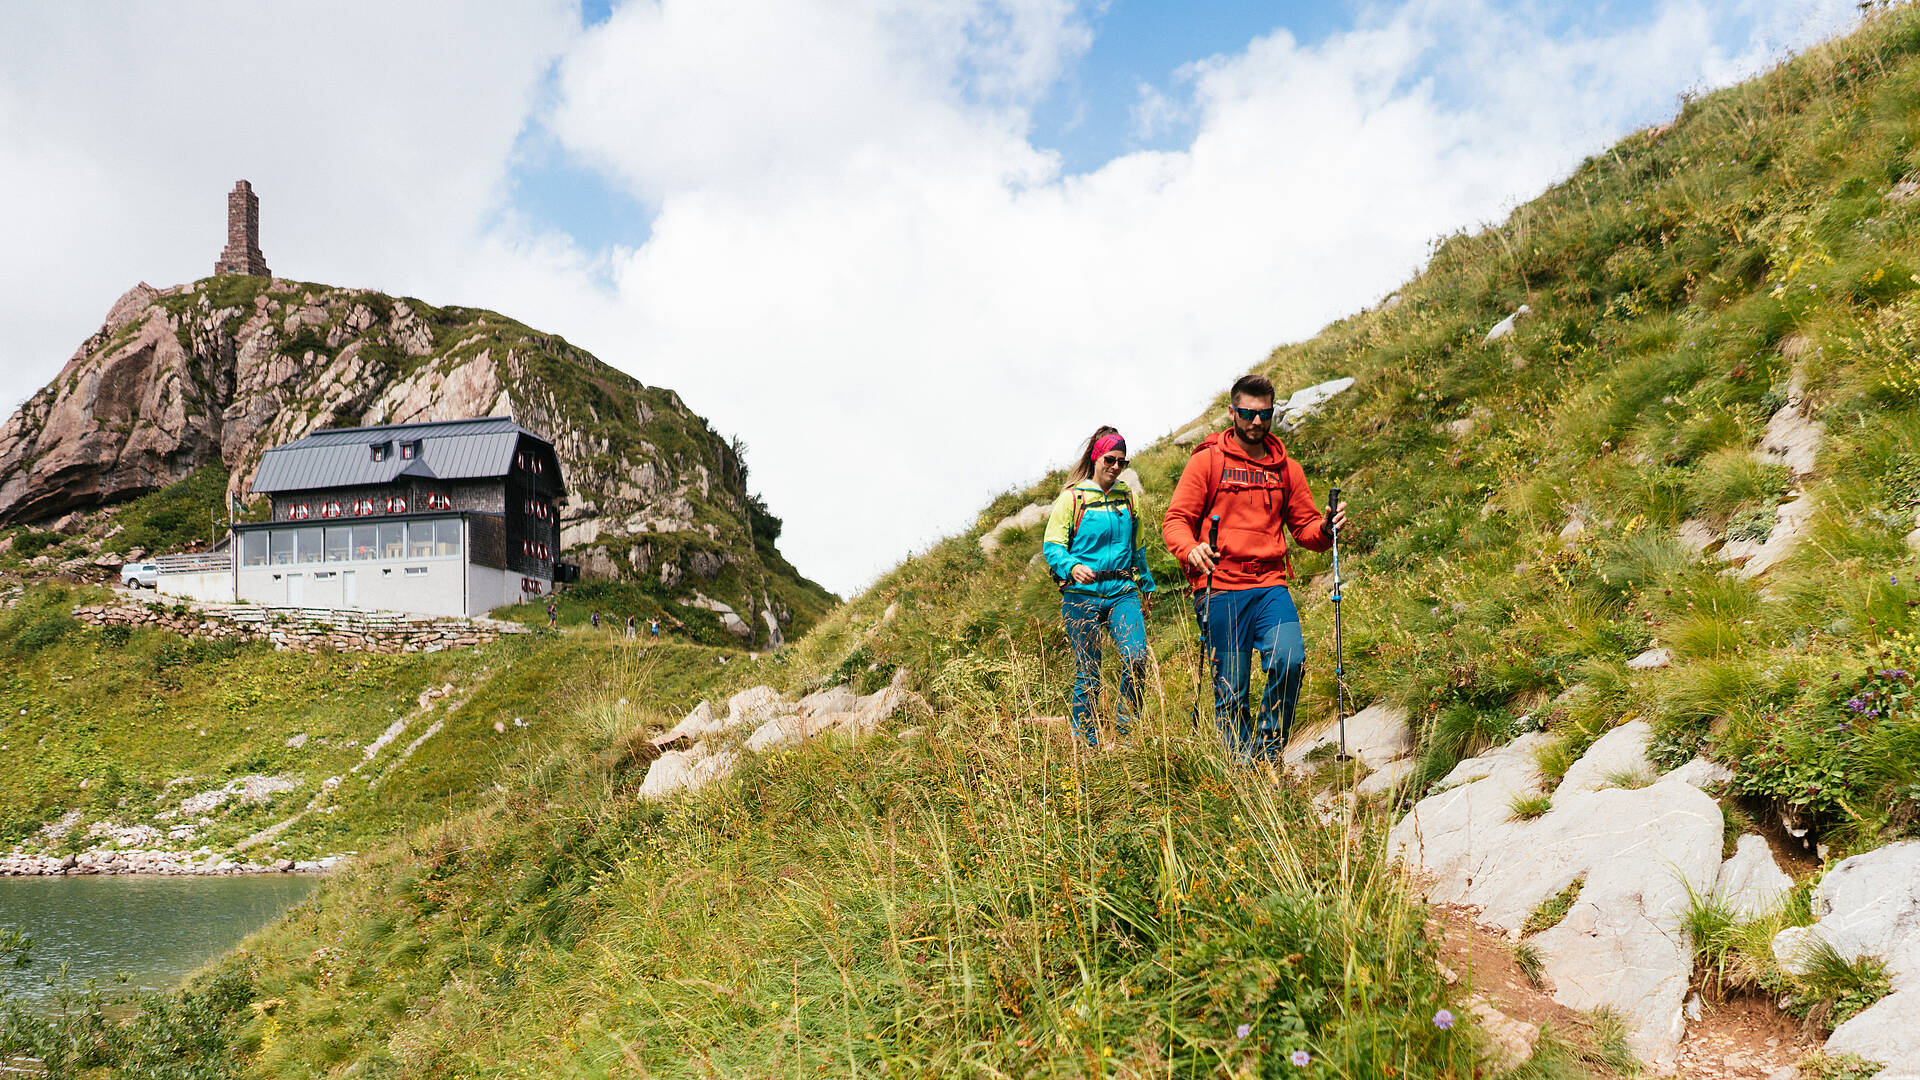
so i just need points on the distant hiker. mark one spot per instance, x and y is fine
(653, 628)
(595, 619)
(630, 633)
(1093, 546)
(553, 616)
(1244, 476)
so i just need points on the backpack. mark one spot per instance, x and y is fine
(1081, 500)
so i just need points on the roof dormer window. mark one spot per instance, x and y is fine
(381, 450)
(410, 450)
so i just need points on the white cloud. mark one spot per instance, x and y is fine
(861, 263)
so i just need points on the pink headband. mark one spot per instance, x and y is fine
(1105, 443)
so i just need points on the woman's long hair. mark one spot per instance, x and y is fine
(1083, 469)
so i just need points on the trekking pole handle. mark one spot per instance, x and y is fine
(1213, 535)
(1333, 504)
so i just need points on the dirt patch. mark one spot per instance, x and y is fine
(1741, 1038)
(1745, 1038)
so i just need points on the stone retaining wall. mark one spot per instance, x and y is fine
(104, 861)
(304, 629)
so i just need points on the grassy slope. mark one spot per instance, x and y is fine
(969, 901)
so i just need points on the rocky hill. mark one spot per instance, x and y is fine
(207, 376)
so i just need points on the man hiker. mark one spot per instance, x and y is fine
(1244, 477)
(553, 615)
(653, 628)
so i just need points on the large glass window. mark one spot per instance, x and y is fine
(366, 542)
(446, 536)
(339, 543)
(308, 543)
(253, 549)
(281, 546)
(393, 541)
(419, 539)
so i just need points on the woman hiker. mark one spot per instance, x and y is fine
(1094, 546)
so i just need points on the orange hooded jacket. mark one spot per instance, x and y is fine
(1254, 500)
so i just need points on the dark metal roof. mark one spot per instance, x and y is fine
(449, 450)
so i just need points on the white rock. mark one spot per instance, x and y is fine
(1511, 765)
(1304, 403)
(1575, 526)
(1028, 516)
(672, 771)
(1869, 905)
(1192, 435)
(698, 724)
(1620, 946)
(1510, 1042)
(832, 699)
(1505, 326)
(1696, 536)
(1701, 773)
(1376, 735)
(1750, 883)
(1622, 751)
(1755, 557)
(1791, 440)
(1387, 777)
(1652, 658)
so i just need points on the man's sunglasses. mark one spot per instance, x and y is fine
(1255, 414)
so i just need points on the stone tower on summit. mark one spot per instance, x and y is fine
(242, 254)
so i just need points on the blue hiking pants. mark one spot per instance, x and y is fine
(1085, 614)
(1238, 623)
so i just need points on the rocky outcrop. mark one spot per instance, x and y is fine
(1869, 905)
(220, 370)
(1635, 852)
(705, 746)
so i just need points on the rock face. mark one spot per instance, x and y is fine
(218, 371)
(1636, 850)
(706, 746)
(1869, 905)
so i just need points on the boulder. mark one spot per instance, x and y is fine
(1869, 905)
(1639, 851)
(1652, 658)
(1387, 777)
(1305, 402)
(1619, 753)
(1701, 773)
(1751, 884)
(1376, 735)
(1505, 326)
(1027, 517)
(1510, 1042)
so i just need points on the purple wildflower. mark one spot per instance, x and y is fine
(1443, 1020)
(1242, 1031)
(1300, 1057)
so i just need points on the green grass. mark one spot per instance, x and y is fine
(1526, 807)
(1553, 908)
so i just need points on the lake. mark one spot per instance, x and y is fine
(157, 930)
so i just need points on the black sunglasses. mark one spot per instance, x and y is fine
(1250, 414)
(1121, 464)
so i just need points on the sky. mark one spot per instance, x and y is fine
(909, 252)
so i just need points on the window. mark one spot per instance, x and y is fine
(439, 501)
(299, 511)
(446, 536)
(253, 549)
(330, 508)
(419, 539)
(362, 507)
(380, 450)
(281, 545)
(318, 574)
(308, 543)
(339, 544)
(409, 450)
(412, 570)
(393, 541)
(366, 541)
(396, 504)
(538, 466)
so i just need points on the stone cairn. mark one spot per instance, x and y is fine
(242, 254)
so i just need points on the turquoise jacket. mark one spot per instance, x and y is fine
(1110, 539)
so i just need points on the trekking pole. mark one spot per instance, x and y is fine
(1200, 679)
(1339, 668)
